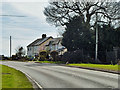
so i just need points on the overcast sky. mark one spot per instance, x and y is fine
(25, 29)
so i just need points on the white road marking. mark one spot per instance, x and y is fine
(41, 88)
(33, 80)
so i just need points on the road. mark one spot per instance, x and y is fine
(56, 76)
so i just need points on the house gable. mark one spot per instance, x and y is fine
(37, 45)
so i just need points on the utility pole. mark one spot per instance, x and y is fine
(10, 46)
(96, 48)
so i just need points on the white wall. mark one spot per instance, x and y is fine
(32, 51)
(29, 51)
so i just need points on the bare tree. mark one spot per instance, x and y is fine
(61, 12)
(20, 52)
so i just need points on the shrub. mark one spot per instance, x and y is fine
(54, 55)
(36, 57)
(43, 55)
(66, 57)
(14, 57)
(73, 57)
(2, 57)
(78, 56)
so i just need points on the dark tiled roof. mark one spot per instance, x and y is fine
(39, 41)
(54, 41)
(48, 43)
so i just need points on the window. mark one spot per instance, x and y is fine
(29, 49)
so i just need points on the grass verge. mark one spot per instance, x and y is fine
(54, 62)
(98, 66)
(12, 78)
(0, 77)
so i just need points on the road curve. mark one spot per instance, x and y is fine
(56, 76)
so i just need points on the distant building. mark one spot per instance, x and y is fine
(38, 45)
(45, 43)
(55, 45)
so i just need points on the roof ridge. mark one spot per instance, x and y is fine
(39, 41)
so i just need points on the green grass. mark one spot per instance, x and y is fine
(0, 77)
(12, 78)
(54, 62)
(98, 66)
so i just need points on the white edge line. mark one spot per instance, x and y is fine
(27, 76)
(33, 80)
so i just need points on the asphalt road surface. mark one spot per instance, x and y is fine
(56, 76)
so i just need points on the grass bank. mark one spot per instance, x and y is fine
(98, 66)
(12, 78)
(54, 62)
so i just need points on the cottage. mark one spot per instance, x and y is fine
(55, 45)
(38, 45)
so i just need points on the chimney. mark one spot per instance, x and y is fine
(43, 35)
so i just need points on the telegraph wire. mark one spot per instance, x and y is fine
(16, 38)
(13, 16)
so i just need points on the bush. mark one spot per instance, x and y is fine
(36, 57)
(1, 57)
(54, 55)
(73, 57)
(14, 57)
(66, 57)
(78, 57)
(43, 55)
